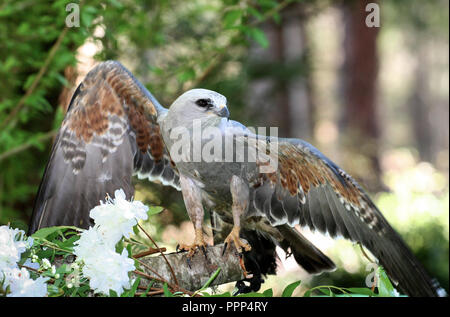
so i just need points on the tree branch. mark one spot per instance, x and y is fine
(27, 145)
(12, 115)
(192, 276)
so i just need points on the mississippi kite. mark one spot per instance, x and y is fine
(115, 128)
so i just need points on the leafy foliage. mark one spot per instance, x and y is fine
(31, 81)
(52, 251)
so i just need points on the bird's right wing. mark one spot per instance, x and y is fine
(308, 189)
(109, 133)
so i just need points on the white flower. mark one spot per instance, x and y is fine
(12, 245)
(135, 209)
(21, 285)
(117, 217)
(108, 270)
(114, 219)
(46, 264)
(91, 242)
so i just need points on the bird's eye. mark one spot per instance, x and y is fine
(204, 103)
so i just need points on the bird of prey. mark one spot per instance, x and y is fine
(114, 128)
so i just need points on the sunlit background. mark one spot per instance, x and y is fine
(374, 100)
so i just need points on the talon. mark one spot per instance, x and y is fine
(184, 248)
(203, 250)
(188, 260)
(224, 248)
(240, 244)
(199, 243)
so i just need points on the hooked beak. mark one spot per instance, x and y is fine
(223, 112)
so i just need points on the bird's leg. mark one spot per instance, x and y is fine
(240, 194)
(193, 202)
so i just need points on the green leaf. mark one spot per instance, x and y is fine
(231, 17)
(112, 293)
(268, 293)
(186, 75)
(29, 81)
(88, 15)
(133, 289)
(83, 290)
(167, 293)
(287, 292)
(6, 10)
(63, 269)
(45, 254)
(54, 291)
(45, 232)
(361, 291)
(308, 293)
(385, 288)
(129, 250)
(150, 284)
(277, 18)
(259, 36)
(326, 291)
(10, 62)
(69, 243)
(154, 210)
(62, 79)
(120, 246)
(211, 279)
(116, 4)
(156, 70)
(255, 13)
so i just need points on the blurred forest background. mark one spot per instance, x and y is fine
(374, 100)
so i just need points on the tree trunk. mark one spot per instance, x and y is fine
(281, 91)
(359, 123)
(420, 109)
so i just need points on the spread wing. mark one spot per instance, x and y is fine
(109, 133)
(310, 190)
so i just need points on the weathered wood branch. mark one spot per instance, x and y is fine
(194, 274)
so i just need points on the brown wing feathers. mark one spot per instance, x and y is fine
(109, 133)
(330, 201)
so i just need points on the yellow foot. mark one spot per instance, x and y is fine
(190, 249)
(240, 244)
(199, 244)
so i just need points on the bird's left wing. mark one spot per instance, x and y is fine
(109, 133)
(310, 190)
